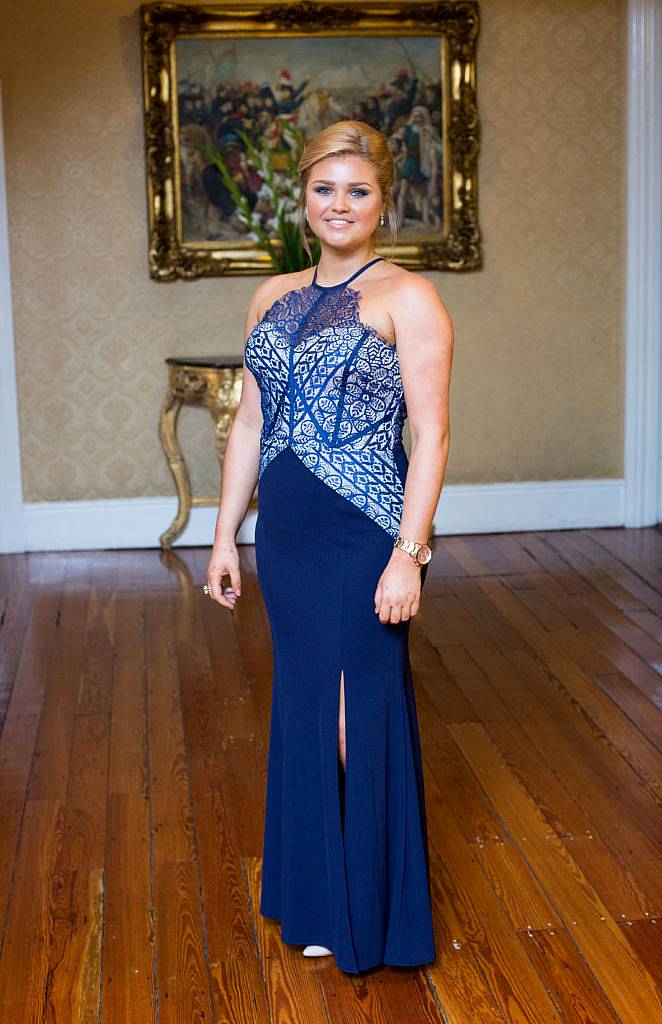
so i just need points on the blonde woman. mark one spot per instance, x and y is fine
(336, 357)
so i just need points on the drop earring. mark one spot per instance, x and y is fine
(381, 219)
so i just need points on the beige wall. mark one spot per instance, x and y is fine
(538, 372)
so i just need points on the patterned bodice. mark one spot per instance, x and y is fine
(330, 389)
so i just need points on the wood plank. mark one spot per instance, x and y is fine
(548, 559)
(645, 937)
(238, 989)
(49, 776)
(74, 949)
(405, 996)
(472, 812)
(29, 925)
(293, 992)
(170, 783)
(518, 890)
(444, 566)
(459, 985)
(636, 553)
(598, 647)
(602, 610)
(436, 674)
(473, 554)
(611, 878)
(95, 691)
(630, 742)
(18, 739)
(240, 641)
(574, 730)
(128, 972)
(534, 770)
(182, 971)
(355, 999)
(228, 928)
(497, 948)
(128, 982)
(516, 686)
(648, 621)
(15, 605)
(182, 977)
(626, 825)
(637, 708)
(566, 974)
(627, 984)
(515, 558)
(542, 779)
(71, 949)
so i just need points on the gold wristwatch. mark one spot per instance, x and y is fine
(421, 553)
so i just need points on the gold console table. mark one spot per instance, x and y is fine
(214, 383)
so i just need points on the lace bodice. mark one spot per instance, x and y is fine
(330, 388)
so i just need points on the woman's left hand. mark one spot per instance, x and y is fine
(398, 593)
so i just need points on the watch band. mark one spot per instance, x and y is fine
(420, 551)
(410, 546)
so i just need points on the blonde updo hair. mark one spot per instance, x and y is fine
(357, 139)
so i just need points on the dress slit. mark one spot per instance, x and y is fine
(340, 940)
(342, 770)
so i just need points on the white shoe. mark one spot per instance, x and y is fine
(317, 951)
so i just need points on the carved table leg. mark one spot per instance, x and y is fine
(222, 403)
(168, 433)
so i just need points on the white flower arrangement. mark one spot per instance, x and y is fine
(278, 200)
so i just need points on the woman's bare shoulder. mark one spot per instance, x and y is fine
(407, 288)
(407, 282)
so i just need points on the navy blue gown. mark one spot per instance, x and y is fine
(345, 857)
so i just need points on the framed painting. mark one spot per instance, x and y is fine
(240, 78)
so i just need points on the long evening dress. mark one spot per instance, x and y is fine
(345, 857)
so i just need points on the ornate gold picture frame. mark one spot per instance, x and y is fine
(221, 75)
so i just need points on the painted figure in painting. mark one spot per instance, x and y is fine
(305, 84)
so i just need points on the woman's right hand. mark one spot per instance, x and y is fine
(224, 561)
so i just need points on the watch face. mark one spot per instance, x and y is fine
(424, 554)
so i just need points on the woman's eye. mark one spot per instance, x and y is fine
(326, 188)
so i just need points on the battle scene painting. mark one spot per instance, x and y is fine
(226, 87)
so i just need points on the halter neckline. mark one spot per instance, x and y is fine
(330, 287)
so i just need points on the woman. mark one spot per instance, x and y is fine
(335, 359)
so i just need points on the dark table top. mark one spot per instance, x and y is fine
(212, 362)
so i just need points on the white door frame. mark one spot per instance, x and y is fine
(634, 501)
(642, 492)
(12, 524)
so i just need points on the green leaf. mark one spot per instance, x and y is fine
(290, 255)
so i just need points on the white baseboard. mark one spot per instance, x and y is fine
(529, 505)
(118, 523)
(463, 509)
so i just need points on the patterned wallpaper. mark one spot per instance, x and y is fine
(539, 359)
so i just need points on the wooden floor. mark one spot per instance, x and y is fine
(132, 775)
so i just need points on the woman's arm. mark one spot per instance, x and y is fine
(424, 339)
(240, 463)
(240, 469)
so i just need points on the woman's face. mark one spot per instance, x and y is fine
(343, 200)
